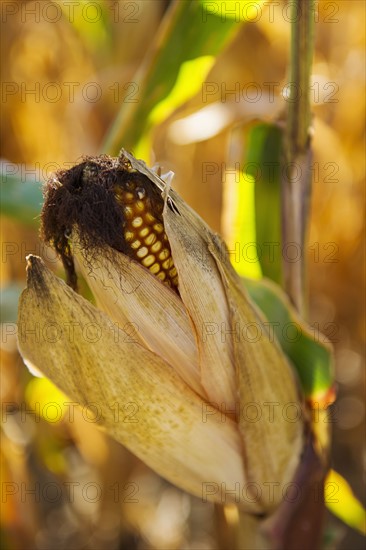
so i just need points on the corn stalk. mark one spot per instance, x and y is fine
(297, 155)
(291, 530)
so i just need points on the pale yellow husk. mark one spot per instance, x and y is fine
(96, 363)
(273, 433)
(140, 304)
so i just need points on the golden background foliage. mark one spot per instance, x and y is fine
(46, 126)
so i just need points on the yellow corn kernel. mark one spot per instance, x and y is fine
(155, 268)
(149, 260)
(136, 222)
(142, 252)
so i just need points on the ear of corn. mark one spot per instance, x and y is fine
(189, 348)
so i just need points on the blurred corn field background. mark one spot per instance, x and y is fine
(194, 86)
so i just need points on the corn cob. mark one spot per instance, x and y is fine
(144, 234)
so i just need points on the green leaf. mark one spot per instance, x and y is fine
(308, 350)
(191, 31)
(263, 164)
(241, 239)
(20, 199)
(341, 501)
(91, 20)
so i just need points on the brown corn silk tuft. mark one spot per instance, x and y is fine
(107, 202)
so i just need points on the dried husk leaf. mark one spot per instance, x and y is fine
(273, 433)
(203, 295)
(105, 369)
(149, 310)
